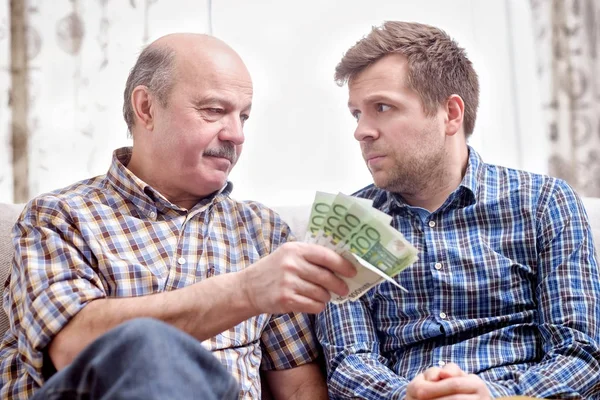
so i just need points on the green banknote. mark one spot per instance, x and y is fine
(363, 235)
(376, 242)
(329, 236)
(320, 208)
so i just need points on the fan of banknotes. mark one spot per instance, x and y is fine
(363, 235)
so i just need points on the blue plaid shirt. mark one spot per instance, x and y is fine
(506, 286)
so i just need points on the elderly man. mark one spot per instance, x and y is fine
(117, 280)
(505, 297)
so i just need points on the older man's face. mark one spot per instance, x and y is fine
(199, 134)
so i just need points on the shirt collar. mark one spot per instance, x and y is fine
(144, 196)
(473, 175)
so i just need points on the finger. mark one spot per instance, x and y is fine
(322, 277)
(451, 370)
(412, 390)
(451, 386)
(312, 291)
(432, 374)
(327, 258)
(460, 397)
(299, 303)
(422, 389)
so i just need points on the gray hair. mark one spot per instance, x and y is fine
(154, 69)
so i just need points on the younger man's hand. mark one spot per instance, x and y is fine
(449, 382)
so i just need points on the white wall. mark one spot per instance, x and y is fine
(300, 133)
(299, 137)
(76, 117)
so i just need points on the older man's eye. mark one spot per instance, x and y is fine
(356, 115)
(382, 107)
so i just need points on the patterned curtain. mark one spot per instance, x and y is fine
(66, 63)
(6, 162)
(567, 33)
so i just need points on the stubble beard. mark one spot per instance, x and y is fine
(417, 172)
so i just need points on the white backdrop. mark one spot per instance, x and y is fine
(299, 138)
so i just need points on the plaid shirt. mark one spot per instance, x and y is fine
(506, 286)
(114, 236)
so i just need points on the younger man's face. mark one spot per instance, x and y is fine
(400, 144)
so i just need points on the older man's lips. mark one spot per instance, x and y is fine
(222, 162)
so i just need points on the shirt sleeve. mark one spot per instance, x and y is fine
(288, 341)
(355, 367)
(51, 278)
(568, 311)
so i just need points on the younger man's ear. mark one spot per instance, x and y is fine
(455, 111)
(142, 103)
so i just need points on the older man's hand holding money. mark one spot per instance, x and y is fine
(297, 277)
(361, 234)
(349, 248)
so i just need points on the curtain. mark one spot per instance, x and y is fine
(567, 34)
(65, 108)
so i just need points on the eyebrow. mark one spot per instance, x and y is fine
(376, 97)
(218, 100)
(212, 100)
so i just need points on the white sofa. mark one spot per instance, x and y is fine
(295, 216)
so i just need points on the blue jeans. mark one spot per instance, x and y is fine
(142, 359)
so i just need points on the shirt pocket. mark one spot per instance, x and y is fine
(490, 280)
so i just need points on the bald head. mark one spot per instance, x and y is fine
(169, 57)
(184, 43)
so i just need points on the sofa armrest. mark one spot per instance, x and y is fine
(8, 217)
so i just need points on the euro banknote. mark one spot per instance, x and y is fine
(363, 235)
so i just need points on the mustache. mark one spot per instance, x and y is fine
(226, 151)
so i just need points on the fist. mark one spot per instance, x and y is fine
(449, 382)
(297, 277)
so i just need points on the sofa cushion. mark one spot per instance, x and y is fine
(296, 217)
(8, 216)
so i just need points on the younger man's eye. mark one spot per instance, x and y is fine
(382, 107)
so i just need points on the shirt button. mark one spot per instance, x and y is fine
(152, 215)
(443, 315)
(438, 266)
(431, 224)
(441, 363)
(181, 261)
